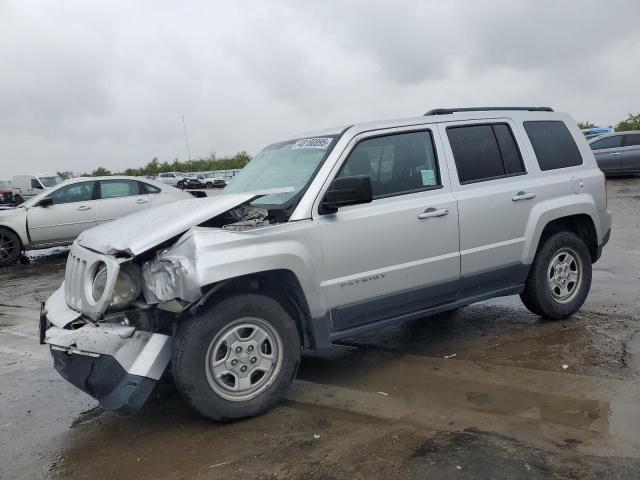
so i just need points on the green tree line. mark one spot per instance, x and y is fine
(154, 167)
(632, 122)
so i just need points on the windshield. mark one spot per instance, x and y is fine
(5, 184)
(50, 181)
(289, 164)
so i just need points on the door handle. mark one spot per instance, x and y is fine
(616, 153)
(142, 200)
(432, 212)
(82, 208)
(523, 196)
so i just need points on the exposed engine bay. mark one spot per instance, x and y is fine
(246, 217)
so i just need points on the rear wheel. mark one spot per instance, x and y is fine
(560, 277)
(10, 247)
(17, 199)
(237, 358)
(209, 185)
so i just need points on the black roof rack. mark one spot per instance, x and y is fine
(447, 111)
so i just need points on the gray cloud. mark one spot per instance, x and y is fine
(88, 83)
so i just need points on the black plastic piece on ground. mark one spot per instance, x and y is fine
(447, 111)
(105, 380)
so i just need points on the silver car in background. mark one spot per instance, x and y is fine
(617, 153)
(58, 215)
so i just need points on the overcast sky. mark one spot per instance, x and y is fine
(90, 83)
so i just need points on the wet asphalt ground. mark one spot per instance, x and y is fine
(489, 391)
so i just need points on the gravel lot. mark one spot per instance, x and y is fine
(480, 393)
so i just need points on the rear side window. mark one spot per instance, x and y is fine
(632, 140)
(553, 144)
(118, 188)
(484, 152)
(608, 142)
(148, 188)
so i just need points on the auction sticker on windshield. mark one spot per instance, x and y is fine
(319, 143)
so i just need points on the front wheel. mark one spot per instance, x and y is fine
(237, 358)
(10, 247)
(560, 277)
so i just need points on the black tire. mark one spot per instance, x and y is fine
(538, 296)
(191, 354)
(17, 199)
(209, 185)
(180, 185)
(10, 247)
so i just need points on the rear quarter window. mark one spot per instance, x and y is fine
(553, 144)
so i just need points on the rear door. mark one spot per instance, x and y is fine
(630, 161)
(397, 255)
(608, 153)
(119, 197)
(496, 191)
(71, 213)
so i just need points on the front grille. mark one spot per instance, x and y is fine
(82, 265)
(74, 277)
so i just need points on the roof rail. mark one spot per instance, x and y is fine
(447, 111)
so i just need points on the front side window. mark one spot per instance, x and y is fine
(484, 152)
(118, 188)
(553, 144)
(35, 184)
(290, 164)
(632, 140)
(608, 142)
(78, 192)
(397, 164)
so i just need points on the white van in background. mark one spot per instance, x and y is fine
(31, 185)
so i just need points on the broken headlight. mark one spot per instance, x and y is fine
(160, 280)
(126, 289)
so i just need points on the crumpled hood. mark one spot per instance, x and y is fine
(141, 231)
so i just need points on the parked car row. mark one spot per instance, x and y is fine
(193, 180)
(57, 216)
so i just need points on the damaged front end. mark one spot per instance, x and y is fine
(111, 324)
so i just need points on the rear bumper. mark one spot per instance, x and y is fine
(605, 240)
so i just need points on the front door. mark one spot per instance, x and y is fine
(397, 255)
(71, 213)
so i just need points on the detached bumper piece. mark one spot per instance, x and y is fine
(105, 379)
(118, 365)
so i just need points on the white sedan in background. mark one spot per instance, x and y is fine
(56, 217)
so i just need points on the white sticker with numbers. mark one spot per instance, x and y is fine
(312, 143)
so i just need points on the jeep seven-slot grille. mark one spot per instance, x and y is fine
(74, 278)
(82, 265)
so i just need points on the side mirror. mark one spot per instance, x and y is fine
(45, 202)
(345, 191)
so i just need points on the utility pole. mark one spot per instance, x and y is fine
(186, 139)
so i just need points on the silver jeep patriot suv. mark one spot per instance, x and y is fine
(327, 235)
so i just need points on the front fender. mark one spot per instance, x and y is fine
(15, 219)
(215, 255)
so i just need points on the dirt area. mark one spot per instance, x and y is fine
(489, 391)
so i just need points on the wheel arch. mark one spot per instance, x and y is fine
(280, 284)
(580, 224)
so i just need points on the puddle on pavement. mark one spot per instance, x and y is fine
(509, 335)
